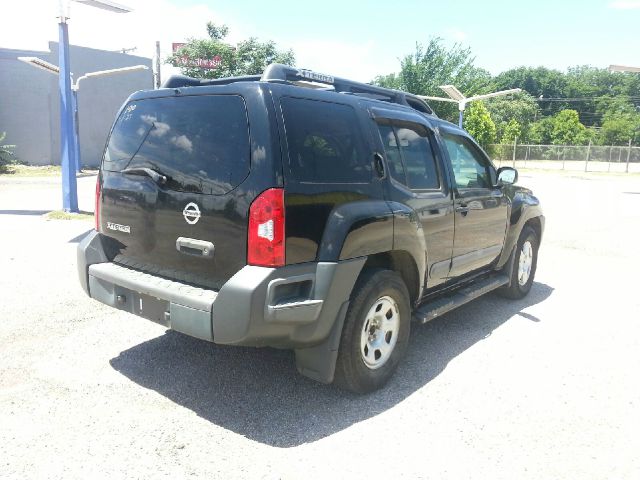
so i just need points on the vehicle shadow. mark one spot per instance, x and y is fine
(24, 212)
(257, 392)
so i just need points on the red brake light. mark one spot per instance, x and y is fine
(265, 240)
(96, 212)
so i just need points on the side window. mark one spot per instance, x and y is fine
(410, 157)
(470, 169)
(392, 153)
(419, 162)
(325, 143)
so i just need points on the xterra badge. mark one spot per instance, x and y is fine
(191, 213)
(118, 228)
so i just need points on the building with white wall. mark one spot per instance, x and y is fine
(30, 102)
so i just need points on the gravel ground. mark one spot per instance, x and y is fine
(546, 387)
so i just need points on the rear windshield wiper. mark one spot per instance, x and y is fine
(157, 177)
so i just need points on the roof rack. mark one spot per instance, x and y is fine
(178, 81)
(277, 72)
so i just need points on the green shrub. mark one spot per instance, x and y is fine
(6, 153)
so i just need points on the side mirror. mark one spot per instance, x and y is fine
(507, 176)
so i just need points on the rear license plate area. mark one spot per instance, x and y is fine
(151, 308)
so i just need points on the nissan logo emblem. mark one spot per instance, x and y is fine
(191, 213)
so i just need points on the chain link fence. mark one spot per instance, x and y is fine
(586, 158)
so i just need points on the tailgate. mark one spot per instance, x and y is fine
(169, 205)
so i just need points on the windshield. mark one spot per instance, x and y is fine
(201, 143)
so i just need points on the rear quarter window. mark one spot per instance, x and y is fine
(325, 142)
(200, 142)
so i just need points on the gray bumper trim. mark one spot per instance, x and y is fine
(175, 292)
(244, 315)
(295, 306)
(89, 251)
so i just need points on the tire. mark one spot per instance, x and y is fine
(367, 359)
(527, 246)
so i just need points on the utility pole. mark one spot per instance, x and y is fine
(586, 163)
(68, 139)
(67, 129)
(628, 156)
(76, 127)
(157, 72)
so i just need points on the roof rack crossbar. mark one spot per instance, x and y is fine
(177, 81)
(279, 72)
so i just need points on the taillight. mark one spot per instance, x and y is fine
(96, 211)
(265, 240)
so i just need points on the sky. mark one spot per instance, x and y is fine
(354, 39)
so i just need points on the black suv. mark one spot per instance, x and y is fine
(298, 210)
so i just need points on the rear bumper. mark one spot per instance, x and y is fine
(293, 307)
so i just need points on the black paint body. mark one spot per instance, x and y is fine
(324, 222)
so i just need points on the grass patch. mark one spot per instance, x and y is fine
(33, 170)
(41, 171)
(62, 215)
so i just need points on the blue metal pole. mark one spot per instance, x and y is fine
(67, 157)
(460, 119)
(76, 130)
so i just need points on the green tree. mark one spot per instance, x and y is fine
(540, 131)
(597, 91)
(521, 108)
(539, 82)
(511, 130)
(592, 92)
(619, 128)
(248, 57)
(423, 71)
(478, 123)
(6, 153)
(566, 129)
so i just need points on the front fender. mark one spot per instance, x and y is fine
(524, 207)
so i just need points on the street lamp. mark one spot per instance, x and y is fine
(106, 5)
(67, 147)
(49, 67)
(41, 64)
(456, 96)
(74, 91)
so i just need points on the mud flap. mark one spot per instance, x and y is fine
(319, 362)
(508, 267)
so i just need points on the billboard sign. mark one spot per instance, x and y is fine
(184, 61)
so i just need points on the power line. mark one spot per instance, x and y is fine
(587, 99)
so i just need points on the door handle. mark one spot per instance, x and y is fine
(197, 248)
(462, 209)
(379, 164)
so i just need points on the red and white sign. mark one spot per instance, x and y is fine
(184, 61)
(176, 46)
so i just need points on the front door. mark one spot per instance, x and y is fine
(480, 208)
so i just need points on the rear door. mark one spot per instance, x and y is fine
(192, 226)
(329, 170)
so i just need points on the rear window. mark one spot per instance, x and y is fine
(410, 157)
(201, 143)
(325, 144)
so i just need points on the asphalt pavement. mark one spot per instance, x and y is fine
(544, 387)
